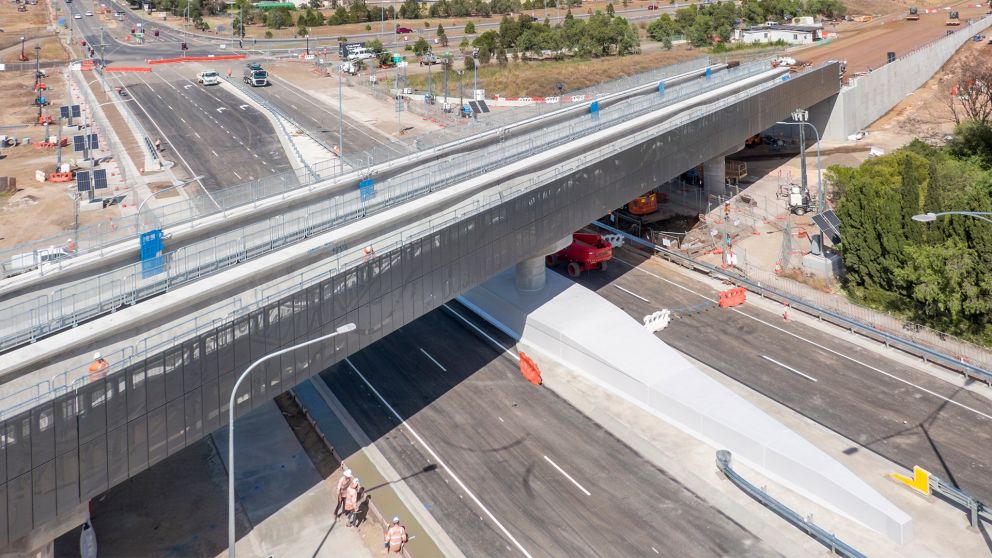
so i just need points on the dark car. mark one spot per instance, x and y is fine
(402, 30)
(652, 6)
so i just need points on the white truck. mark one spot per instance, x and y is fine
(209, 77)
(255, 76)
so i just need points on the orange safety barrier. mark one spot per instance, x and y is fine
(127, 69)
(529, 369)
(733, 297)
(60, 177)
(197, 59)
(41, 144)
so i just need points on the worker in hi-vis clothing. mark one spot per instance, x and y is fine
(343, 484)
(98, 368)
(395, 537)
(351, 501)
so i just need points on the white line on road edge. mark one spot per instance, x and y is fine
(443, 369)
(789, 368)
(567, 476)
(439, 461)
(815, 344)
(482, 333)
(631, 293)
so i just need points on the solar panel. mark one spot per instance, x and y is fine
(483, 106)
(75, 111)
(99, 179)
(64, 111)
(94, 142)
(77, 143)
(829, 224)
(475, 107)
(82, 182)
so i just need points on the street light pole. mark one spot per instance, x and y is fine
(930, 217)
(137, 216)
(230, 424)
(340, 117)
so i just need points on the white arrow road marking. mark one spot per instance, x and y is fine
(243, 107)
(221, 110)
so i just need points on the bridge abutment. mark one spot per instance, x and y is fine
(530, 274)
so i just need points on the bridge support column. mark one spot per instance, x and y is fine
(530, 273)
(715, 176)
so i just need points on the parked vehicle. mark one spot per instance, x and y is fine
(21, 263)
(652, 6)
(208, 77)
(914, 14)
(587, 251)
(255, 76)
(360, 53)
(953, 18)
(429, 59)
(403, 30)
(89, 13)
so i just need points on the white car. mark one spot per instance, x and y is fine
(208, 77)
(89, 13)
(77, 16)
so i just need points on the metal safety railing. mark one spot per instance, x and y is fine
(26, 320)
(73, 377)
(976, 510)
(825, 537)
(97, 237)
(928, 354)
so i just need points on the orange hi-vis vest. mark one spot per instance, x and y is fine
(98, 369)
(351, 499)
(396, 536)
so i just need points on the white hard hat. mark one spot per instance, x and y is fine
(355, 481)
(347, 472)
(96, 356)
(396, 519)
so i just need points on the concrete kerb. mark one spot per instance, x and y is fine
(415, 507)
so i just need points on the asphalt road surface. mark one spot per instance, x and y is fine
(905, 415)
(208, 130)
(518, 470)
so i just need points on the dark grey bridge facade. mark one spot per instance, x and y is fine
(68, 450)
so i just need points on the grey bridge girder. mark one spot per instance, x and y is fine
(74, 447)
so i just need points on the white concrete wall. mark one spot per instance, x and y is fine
(583, 331)
(869, 97)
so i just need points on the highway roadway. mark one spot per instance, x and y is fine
(519, 471)
(880, 404)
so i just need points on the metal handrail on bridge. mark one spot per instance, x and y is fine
(73, 377)
(98, 236)
(28, 320)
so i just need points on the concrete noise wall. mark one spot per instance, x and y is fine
(869, 97)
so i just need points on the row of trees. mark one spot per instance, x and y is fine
(940, 273)
(714, 23)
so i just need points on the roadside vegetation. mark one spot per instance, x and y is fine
(938, 274)
(705, 25)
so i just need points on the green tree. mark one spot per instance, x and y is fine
(440, 30)
(421, 47)
(972, 139)
(302, 31)
(485, 55)
(662, 28)
(610, 11)
(279, 18)
(469, 28)
(410, 9)
(469, 63)
(501, 58)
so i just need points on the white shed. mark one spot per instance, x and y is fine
(792, 34)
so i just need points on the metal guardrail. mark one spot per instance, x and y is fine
(828, 539)
(976, 510)
(926, 353)
(155, 342)
(24, 321)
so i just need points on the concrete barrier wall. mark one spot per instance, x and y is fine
(869, 97)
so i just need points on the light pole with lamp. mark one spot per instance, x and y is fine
(930, 217)
(137, 216)
(800, 117)
(346, 328)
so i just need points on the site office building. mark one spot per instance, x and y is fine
(768, 33)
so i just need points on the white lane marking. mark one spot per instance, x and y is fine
(631, 293)
(215, 153)
(443, 369)
(567, 476)
(789, 368)
(482, 333)
(655, 550)
(197, 135)
(236, 174)
(815, 344)
(501, 419)
(183, 120)
(439, 461)
(170, 107)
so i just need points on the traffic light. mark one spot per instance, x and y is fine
(156, 32)
(183, 46)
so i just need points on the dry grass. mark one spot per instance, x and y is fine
(883, 7)
(537, 79)
(51, 49)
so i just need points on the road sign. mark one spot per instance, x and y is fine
(366, 189)
(397, 59)
(152, 261)
(594, 107)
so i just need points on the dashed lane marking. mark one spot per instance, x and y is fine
(434, 360)
(789, 368)
(631, 293)
(567, 476)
